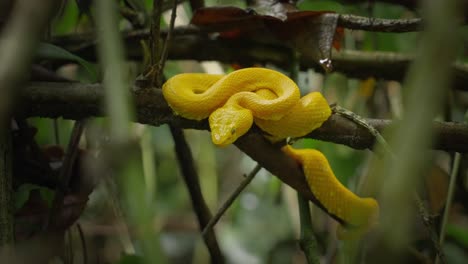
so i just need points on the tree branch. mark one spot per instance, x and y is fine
(379, 24)
(77, 101)
(410, 4)
(190, 46)
(191, 179)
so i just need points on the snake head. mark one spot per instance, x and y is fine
(228, 123)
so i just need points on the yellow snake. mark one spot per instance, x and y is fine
(234, 101)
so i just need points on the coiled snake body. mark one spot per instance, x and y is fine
(272, 100)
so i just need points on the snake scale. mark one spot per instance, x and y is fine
(233, 102)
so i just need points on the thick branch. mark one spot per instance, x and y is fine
(354, 64)
(77, 101)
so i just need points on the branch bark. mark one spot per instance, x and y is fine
(190, 46)
(379, 24)
(77, 101)
(410, 4)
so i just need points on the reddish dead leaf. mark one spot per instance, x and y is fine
(30, 219)
(32, 216)
(225, 19)
(313, 33)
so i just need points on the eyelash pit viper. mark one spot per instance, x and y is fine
(233, 102)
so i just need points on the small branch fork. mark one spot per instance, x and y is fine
(209, 227)
(182, 149)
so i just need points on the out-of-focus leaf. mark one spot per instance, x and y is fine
(367, 87)
(437, 182)
(131, 259)
(460, 234)
(23, 193)
(67, 21)
(312, 33)
(50, 51)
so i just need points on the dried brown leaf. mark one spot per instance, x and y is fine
(313, 33)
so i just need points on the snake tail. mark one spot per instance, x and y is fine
(358, 214)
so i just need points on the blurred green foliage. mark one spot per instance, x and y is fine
(262, 225)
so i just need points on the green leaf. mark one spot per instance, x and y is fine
(458, 233)
(47, 195)
(131, 259)
(50, 51)
(23, 192)
(67, 20)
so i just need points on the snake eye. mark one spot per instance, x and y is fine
(233, 131)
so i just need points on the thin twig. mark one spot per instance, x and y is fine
(209, 227)
(191, 179)
(428, 222)
(165, 50)
(69, 248)
(308, 242)
(155, 31)
(451, 192)
(110, 187)
(83, 243)
(65, 174)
